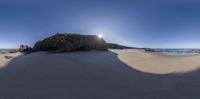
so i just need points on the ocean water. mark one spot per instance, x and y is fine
(6, 50)
(178, 51)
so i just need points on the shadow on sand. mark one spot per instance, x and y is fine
(90, 75)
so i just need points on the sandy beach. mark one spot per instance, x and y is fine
(158, 63)
(4, 61)
(114, 74)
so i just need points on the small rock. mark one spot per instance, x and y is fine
(149, 50)
(8, 57)
(13, 51)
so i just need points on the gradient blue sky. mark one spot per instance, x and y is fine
(141, 23)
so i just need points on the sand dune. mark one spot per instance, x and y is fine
(91, 75)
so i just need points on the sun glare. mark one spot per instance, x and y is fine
(100, 36)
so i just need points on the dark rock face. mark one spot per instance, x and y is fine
(116, 46)
(149, 50)
(25, 48)
(70, 42)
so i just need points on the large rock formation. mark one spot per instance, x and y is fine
(70, 42)
(25, 48)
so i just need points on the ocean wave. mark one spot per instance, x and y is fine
(178, 51)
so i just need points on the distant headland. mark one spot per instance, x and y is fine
(66, 42)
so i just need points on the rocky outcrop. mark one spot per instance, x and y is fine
(25, 48)
(149, 50)
(116, 46)
(70, 42)
(13, 51)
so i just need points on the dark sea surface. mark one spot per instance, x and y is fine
(178, 51)
(159, 51)
(6, 50)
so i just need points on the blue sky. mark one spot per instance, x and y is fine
(141, 23)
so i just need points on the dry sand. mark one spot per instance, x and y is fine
(97, 75)
(157, 63)
(4, 60)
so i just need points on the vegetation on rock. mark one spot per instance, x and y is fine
(116, 46)
(70, 42)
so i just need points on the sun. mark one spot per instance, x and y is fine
(100, 36)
